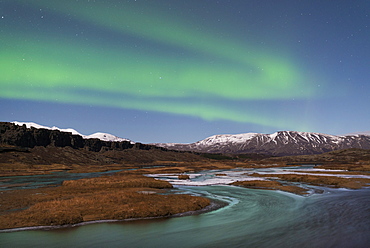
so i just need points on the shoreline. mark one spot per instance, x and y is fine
(214, 205)
(119, 196)
(135, 197)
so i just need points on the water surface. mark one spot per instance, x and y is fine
(252, 218)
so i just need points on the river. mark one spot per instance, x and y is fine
(252, 218)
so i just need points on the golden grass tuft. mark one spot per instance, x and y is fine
(183, 177)
(270, 185)
(110, 197)
(118, 181)
(330, 181)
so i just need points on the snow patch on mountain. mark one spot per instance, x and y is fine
(279, 143)
(105, 137)
(98, 135)
(227, 138)
(38, 126)
(359, 133)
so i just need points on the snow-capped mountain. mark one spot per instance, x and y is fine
(105, 137)
(359, 133)
(101, 136)
(279, 143)
(38, 126)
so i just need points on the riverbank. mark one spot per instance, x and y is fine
(130, 195)
(253, 218)
(300, 180)
(121, 196)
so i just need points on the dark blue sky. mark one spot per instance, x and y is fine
(180, 71)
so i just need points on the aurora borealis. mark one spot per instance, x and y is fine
(178, 71)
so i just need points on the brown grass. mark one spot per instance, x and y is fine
(270, 185)
(330, 181)
(337, 172)
(187, 167)
(183, 177)
(119, 205)
(358, 166)
(111, 197)
(116, 181)
(21, 169)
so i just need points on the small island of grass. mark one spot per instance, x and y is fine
(117, 197)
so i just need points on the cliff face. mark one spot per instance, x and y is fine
(11, 134)
(21, 136)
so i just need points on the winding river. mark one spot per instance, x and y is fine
(252, 218)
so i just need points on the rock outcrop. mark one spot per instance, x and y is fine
(21, 136)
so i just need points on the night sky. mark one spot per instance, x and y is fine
(180, 71)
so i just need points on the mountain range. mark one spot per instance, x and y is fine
(282, 143)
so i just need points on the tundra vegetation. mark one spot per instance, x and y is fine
(117, 197)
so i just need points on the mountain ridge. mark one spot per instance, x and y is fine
(280, 143)
(21, 136)
(97, 135)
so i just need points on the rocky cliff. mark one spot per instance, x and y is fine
(21, 136)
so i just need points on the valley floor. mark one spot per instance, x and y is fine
(129, 194)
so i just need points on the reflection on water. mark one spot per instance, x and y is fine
(254, 218)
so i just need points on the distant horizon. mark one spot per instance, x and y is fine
(107, 132)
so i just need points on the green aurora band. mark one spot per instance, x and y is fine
(54, 68)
